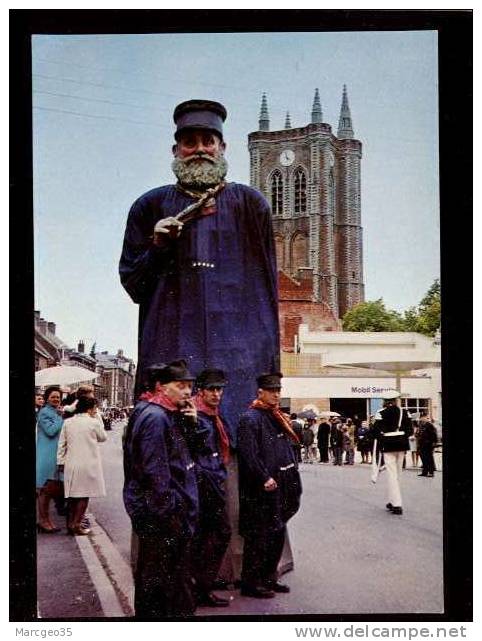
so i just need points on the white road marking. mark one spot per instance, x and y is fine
(107, 596)
(118, 569)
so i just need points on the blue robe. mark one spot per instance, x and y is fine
(209, 296)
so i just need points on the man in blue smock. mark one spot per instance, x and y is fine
(206, 287)
(213, 531)
(269, 487)
(160, 492)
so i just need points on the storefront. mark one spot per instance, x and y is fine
(361, 396)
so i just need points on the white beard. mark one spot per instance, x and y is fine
(200, 174)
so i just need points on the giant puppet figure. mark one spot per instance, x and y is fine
(199, 259)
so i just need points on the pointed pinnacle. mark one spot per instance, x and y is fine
(316, 113)
(287, 121)
(345, 127)
(264, 116)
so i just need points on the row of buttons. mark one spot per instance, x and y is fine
(202, 264)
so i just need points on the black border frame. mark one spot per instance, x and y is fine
(455, 126)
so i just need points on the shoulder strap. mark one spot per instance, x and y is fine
(400, 419)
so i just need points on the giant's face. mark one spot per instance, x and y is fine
(178, 391)
(196, 142)
(199, 158)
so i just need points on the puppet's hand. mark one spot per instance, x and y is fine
(170, 226)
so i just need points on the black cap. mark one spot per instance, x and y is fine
(270, 381)
(174, 371)
(200, 114)
(211, 378)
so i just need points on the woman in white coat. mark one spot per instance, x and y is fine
(79, 455)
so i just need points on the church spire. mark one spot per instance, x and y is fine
(345, 127)
(287, 121)
(264, 116)
(316, 113)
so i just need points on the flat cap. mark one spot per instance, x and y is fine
(199, 114)
(174, 371)
(211, 378)
(270, 381)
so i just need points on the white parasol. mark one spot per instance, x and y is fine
(399, 367)
(63, 375)
(328, 414)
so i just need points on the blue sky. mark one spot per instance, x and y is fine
(102, 135)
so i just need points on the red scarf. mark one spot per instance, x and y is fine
(223, 437)
(280, 417)
(159, 398)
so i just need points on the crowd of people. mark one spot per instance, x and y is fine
(336, 439)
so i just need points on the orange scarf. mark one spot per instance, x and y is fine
(159, 398)
(223, 437)
(280, 417)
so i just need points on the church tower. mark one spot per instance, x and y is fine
(311, 178)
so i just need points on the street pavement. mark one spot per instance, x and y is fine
(350, 554)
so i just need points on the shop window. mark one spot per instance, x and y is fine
(416, 405)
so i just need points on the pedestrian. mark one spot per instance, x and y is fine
(349, 442)
(427, 440)
(213, 531)
(413, 442)
(364, 443)
(69, 405)
(323, 439)
(336, 440)
(392, 428)
(297, 426)
(308, 439)
(39, 403)
(313, 446)
(269, 486)
(160, 492)
(206, 288)
(49, 425)
(79, 459)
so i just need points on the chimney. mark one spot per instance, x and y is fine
(120, 353)
(51, 327)
(42, 326)
(81, 347)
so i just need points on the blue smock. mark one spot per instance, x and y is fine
(209, 296)
(160, 490)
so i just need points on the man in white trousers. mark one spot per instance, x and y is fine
(392, 428)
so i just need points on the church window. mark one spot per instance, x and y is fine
(277, 194)
(300, 192)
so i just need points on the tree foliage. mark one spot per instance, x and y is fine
(373, 316)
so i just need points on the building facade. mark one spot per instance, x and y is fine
(116, 380)
(311, 178)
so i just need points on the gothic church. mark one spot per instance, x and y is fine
(311, 178)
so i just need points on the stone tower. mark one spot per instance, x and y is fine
(311, 178)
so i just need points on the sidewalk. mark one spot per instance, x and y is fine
(78, 576)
